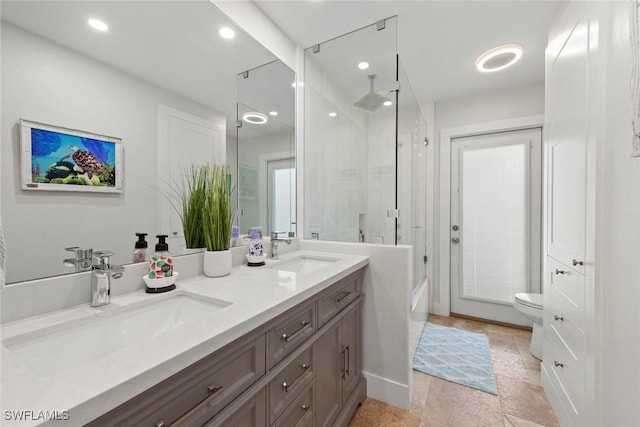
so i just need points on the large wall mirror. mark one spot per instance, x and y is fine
(161, 79)
(266, 149)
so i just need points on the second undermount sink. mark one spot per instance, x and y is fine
(303, 264)
(53, 350)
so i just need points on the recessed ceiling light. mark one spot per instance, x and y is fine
(499, 58)
(273, 113)
(363, 65)
(387, 103)
(333, 114)
(98, 24)
(255, 117)
(227, 33)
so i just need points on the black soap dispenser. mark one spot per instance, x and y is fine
(140, 251)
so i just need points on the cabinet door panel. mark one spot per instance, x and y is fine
(351, 350)
(567, 147)
(329, 366)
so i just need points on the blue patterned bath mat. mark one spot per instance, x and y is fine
(459, 356)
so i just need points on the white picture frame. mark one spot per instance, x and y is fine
(55, 158)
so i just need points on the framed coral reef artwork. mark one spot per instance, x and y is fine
(54, 158)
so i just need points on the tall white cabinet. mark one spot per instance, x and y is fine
(568, 299)
(591, 360)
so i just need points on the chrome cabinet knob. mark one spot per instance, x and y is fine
(560, 271)
(455, 240)
(575, 262)
(558, 364)
(558, 318)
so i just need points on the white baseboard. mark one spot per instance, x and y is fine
(388, 391)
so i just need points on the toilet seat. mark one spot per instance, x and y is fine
(530, 300)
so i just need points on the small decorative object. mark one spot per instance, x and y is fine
(255, 257)
(158, 286)
(61, 159)
(634, 28)
(217, 220)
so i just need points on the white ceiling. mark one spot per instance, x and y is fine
(438, 41)
(172, 44)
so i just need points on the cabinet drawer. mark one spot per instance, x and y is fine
(251, 414)
(300, 412)
(338, 298)
(290, 331)
(560, 317)
(197, 393)
(288, 384)
(571, 285)
(568, 369)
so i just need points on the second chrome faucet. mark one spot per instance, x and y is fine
(101, 274)
(274, 242)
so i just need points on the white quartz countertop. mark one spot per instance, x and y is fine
(82, 393)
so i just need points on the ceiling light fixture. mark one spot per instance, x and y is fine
(273, 113)
(98, 25)
(387, 103)
(333, 114)
(363, 65)
(499, 58)
(226, 33)
(255, 118)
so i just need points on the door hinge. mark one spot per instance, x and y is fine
(425, 259)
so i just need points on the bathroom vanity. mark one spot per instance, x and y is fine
(273, 346)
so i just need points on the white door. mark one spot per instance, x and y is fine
(186, 140)
(495, 222)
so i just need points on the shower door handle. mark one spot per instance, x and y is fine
(455, 240)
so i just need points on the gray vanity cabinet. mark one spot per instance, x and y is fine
(338, 369)
(302, 368)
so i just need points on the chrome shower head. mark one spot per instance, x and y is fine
(371, 101)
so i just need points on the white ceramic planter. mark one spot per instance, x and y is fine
(217, 263)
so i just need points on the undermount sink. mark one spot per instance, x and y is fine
(53, 350)
(303, 264)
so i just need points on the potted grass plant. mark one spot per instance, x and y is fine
(192, 200)
(217, 220)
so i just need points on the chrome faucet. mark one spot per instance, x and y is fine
(101, 275)
(274, 242)
(83, 260)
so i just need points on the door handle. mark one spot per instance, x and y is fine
(455, 240)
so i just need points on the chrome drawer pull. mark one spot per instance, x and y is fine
(160, 423)
(286, 387)
(213, 389)
(344, 295)
(559, 271)
(346, 368)
(303, 325)
(305, 408)
(558, 318)
(214, 392)
(558, 364)
(576, 262)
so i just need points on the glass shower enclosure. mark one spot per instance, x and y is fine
(365, 148)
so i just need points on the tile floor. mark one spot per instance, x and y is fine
(521, 401)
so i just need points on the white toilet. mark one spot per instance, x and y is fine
(530, 305)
